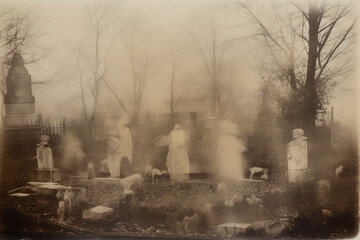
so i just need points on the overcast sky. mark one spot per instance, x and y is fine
(166, 25)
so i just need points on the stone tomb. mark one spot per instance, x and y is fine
(47, 175)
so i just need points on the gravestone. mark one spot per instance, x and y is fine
(19, 101)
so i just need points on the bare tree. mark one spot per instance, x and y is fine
(95, 71)
(310, 46)
(213, 45)
(142, 64)
(176, 89)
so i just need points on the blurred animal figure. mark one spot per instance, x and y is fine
(61, 211)
(338, 171)
(255, 170)
(265, 175)
(129, 181)
(189, 224)
(91, 172)
(156, 174)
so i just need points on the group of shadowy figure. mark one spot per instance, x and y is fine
(118, 161)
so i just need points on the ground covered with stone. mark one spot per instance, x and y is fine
(271, 208)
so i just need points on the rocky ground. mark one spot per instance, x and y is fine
(159, 209)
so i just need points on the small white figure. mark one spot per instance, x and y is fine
(156, 173)
(338, 171)
(69, 198)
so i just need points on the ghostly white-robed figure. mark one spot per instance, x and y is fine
(113, 157)
(44, 154)
(297, 152)
(125, 139)
(230, 152)
(177, 158)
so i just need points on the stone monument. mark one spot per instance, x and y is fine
(19, 101)
(297, 157)
(18, 137)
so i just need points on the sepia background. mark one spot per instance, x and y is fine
(259, 64)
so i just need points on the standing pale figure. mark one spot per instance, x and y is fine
(125, 139)
(229, 152)
(113, 157)
(44, 154)
(297, 151)
(177, 158)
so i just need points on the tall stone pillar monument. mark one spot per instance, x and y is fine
(18, 139)
(19, 101)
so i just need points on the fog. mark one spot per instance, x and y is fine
(160, 28)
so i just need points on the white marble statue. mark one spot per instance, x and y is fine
(297, 152)
(113, 157)
(44, 154)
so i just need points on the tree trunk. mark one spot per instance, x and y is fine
(309, 110)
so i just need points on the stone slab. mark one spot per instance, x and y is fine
(19, 194)
(96, 213)
(44, 175)
(19, 108)
(232, 229)
(33, 186)
(50, 189)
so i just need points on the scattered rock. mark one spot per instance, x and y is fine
(98, 212)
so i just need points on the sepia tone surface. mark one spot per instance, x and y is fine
(179, 119)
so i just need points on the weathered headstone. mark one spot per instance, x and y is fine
(19, 101)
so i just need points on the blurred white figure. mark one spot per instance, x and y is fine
(297, 152)
(125, 143)
(229, 152)
(177, 158)
(113, 157)
(338, 171)
(73, 154)
(44, 154)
